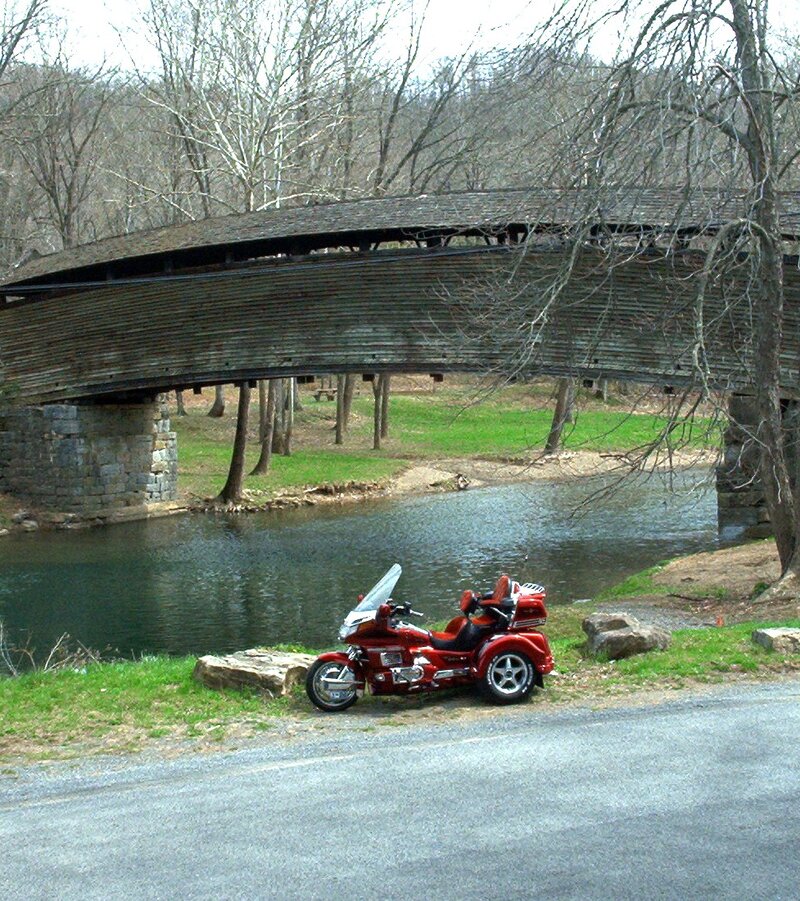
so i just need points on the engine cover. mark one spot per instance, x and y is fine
(404, 675)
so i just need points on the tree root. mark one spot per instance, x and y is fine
(785, 590)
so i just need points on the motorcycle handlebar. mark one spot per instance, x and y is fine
(404, 608)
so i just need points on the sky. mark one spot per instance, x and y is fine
(451, 26)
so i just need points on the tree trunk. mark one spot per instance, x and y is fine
(287, 434)
(179, 403)
(768, 298)
(298, 404)
(385, 386)
(218, 407)
(232, 491)
(601, 390)
(563, 410)
(569, 415)
(349, 389)
(262, 409)
(265, 458)
(377, 390)
(340, 380)
(279, 419)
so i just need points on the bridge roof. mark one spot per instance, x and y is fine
(302, 229)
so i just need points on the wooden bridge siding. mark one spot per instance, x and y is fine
(362, 313)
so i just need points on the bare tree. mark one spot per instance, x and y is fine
(418, 137)
(563, 413)
(231, 493)
(345, 387)
(179, 404)
(19, 21)
(377, 394)
(386, 380)
(217, 409)
(267, 426)
(697, 93)
(58, 137)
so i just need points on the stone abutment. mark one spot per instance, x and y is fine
(740, 495)
(89, 460)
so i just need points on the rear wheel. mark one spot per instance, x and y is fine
(329, 685)
(509, 677)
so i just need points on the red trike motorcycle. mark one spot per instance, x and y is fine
(494, 644)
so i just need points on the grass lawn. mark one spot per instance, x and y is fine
(507, 426)
(511, 423)
(118, 707)
(124, 706)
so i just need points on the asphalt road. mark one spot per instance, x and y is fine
(697, 798)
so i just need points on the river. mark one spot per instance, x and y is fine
(203, 583)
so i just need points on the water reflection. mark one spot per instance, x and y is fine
(203, 583)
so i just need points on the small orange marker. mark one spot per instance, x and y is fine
(720, 620)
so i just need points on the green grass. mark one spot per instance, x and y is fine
(643, 584)
(152, 697)
(694, 654)
(512, 423)
(636, 585)
(445, 426)
(204, 457)
(123, 706)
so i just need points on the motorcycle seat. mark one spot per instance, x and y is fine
(468, 637)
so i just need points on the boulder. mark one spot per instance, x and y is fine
(618, 635)
(608, 622)
(274, 672)
(784, 641)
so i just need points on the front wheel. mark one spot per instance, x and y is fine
(331, 685)
(508, 678)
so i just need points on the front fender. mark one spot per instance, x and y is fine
(344, 659)
(532, 644)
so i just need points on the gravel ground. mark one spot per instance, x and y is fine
(658, 616)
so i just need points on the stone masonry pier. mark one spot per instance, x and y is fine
(742, 506)
(100, 461)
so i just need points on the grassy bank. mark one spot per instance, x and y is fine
(127, 706)
(510, 424)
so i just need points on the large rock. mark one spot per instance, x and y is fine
(618, 635)
(784, 641)
(608, 622)
(274, 672)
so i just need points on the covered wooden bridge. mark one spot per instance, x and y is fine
(395, 284)
(464, 282)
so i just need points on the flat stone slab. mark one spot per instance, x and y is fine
(274, 672)
(784, 641)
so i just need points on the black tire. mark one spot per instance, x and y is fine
(322, 697)
(509, 678)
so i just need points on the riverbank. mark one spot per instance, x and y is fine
(154, 704)
(434, 437)
(438, 441)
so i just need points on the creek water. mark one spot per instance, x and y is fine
(202, 583)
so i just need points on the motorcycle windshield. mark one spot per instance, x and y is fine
(381, 591)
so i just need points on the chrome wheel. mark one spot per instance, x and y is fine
(331, 685)
(509, 677)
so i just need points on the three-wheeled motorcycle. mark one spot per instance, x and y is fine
(495, 643)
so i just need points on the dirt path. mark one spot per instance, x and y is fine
(421, 477)
(715, 587)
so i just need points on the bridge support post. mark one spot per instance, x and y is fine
(89, 461)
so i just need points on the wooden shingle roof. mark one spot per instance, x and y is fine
(302, 229)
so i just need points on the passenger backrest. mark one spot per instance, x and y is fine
(502, 589)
